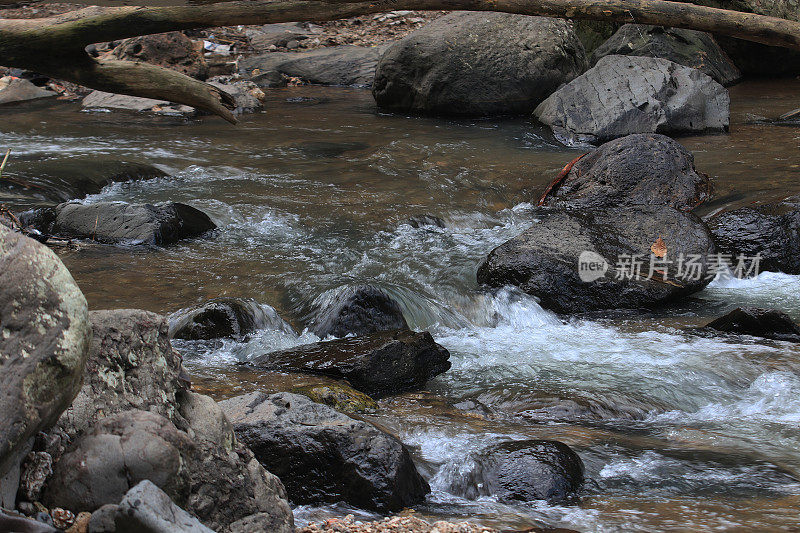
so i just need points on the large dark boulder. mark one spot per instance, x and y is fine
(122, 223)
(767, 323)
(207, 472)
(639, 169)
(337, 65)
(478, 64)
(172, 50)
(326, 456)
(524, 470)
(378, 364)
(625, 94)
(225, 318)
(771, 231)
(44, 342)
(357, 310)
(131, 365)
(577, 260)
(695, 49)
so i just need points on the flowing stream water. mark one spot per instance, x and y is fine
(679, 431)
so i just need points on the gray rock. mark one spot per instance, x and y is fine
(13, 90)
(131, 365)
(378, 364)
(525, 471)
(38, 466)
(278, 35)
(639, 169)
(103, 519)
(771, 231)
(246, 94)
(98, 100)
(357, 310)
(337, 65)
(324, 455)
(623, 95)
(218, 485)
(129, 224)
(20, 524)
(544, 260)
(690, 48)
(478, 64)
(44, 341)
(225, 318)
(147, 509)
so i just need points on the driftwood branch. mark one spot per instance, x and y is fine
(55, 46)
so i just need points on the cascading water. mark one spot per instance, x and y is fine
(679, 429)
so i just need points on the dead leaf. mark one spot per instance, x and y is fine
(659, 249)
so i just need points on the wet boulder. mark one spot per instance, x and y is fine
(172, 50)
(337, 65)
(131, 365)
(44, 342)
(357, 310)
(624, 94)
(219, 481)
(694, 49)
(147, 509)
(576, 260)
(13, 90)
(757, 322)
(325, 456)
(771, 231)
(502, 64)
(99, 100)
(378, 364)
(225, 318)
(639, 169)
(422, 221)
(526, 470)
(129, 224)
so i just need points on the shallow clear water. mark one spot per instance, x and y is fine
(678, 431)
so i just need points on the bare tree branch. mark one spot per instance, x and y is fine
(54, 46)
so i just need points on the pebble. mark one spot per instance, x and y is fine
(396, 524)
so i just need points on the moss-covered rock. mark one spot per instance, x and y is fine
(339, 395)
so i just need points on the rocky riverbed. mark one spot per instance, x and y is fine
(372, 309)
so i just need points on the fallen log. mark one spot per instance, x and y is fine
(55, 46)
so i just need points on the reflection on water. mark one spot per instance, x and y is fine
(678, 430)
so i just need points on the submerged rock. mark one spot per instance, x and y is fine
(225, 318)
(526, 470)
(325, 456)
(44, 342)
(378, 364)
(771, 231)
(639, 169)
(357, 310)
(690, 48)
(337, 65)
(767, 323)
(99, 100)
(544, 260)
(147, 509)
(131, 365)
(209, 474)
(623, 95)
(122, 223)
(478, 64)
(13, 90)
(421, 221)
